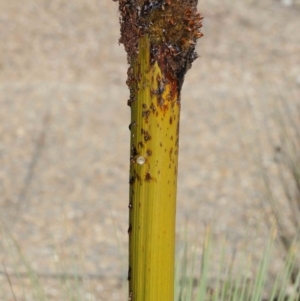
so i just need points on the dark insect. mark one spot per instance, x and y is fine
(148, 177)
(129, 274)
(148, 7)
(131, 125)
(132, 180)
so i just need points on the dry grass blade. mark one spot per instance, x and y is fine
(9, 281)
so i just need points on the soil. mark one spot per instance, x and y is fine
(64, 139)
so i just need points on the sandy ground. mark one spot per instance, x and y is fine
(64, 139)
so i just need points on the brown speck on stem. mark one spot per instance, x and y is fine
(129, 274)
(148, 177)
(140, 144)
(152, 107)
(147, 136)
(132, 180)
(134, 151)
(171, 152)
(146, 114)
(133, 123)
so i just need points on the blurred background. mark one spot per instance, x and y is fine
(64, 138)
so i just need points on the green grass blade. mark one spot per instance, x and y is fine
(262, 271)
(201, 294)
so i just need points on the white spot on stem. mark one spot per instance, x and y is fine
(140, 160)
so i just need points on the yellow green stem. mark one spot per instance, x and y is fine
(153, 178)
(159, 37)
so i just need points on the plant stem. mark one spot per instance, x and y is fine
(160, 38)
(154, 144)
